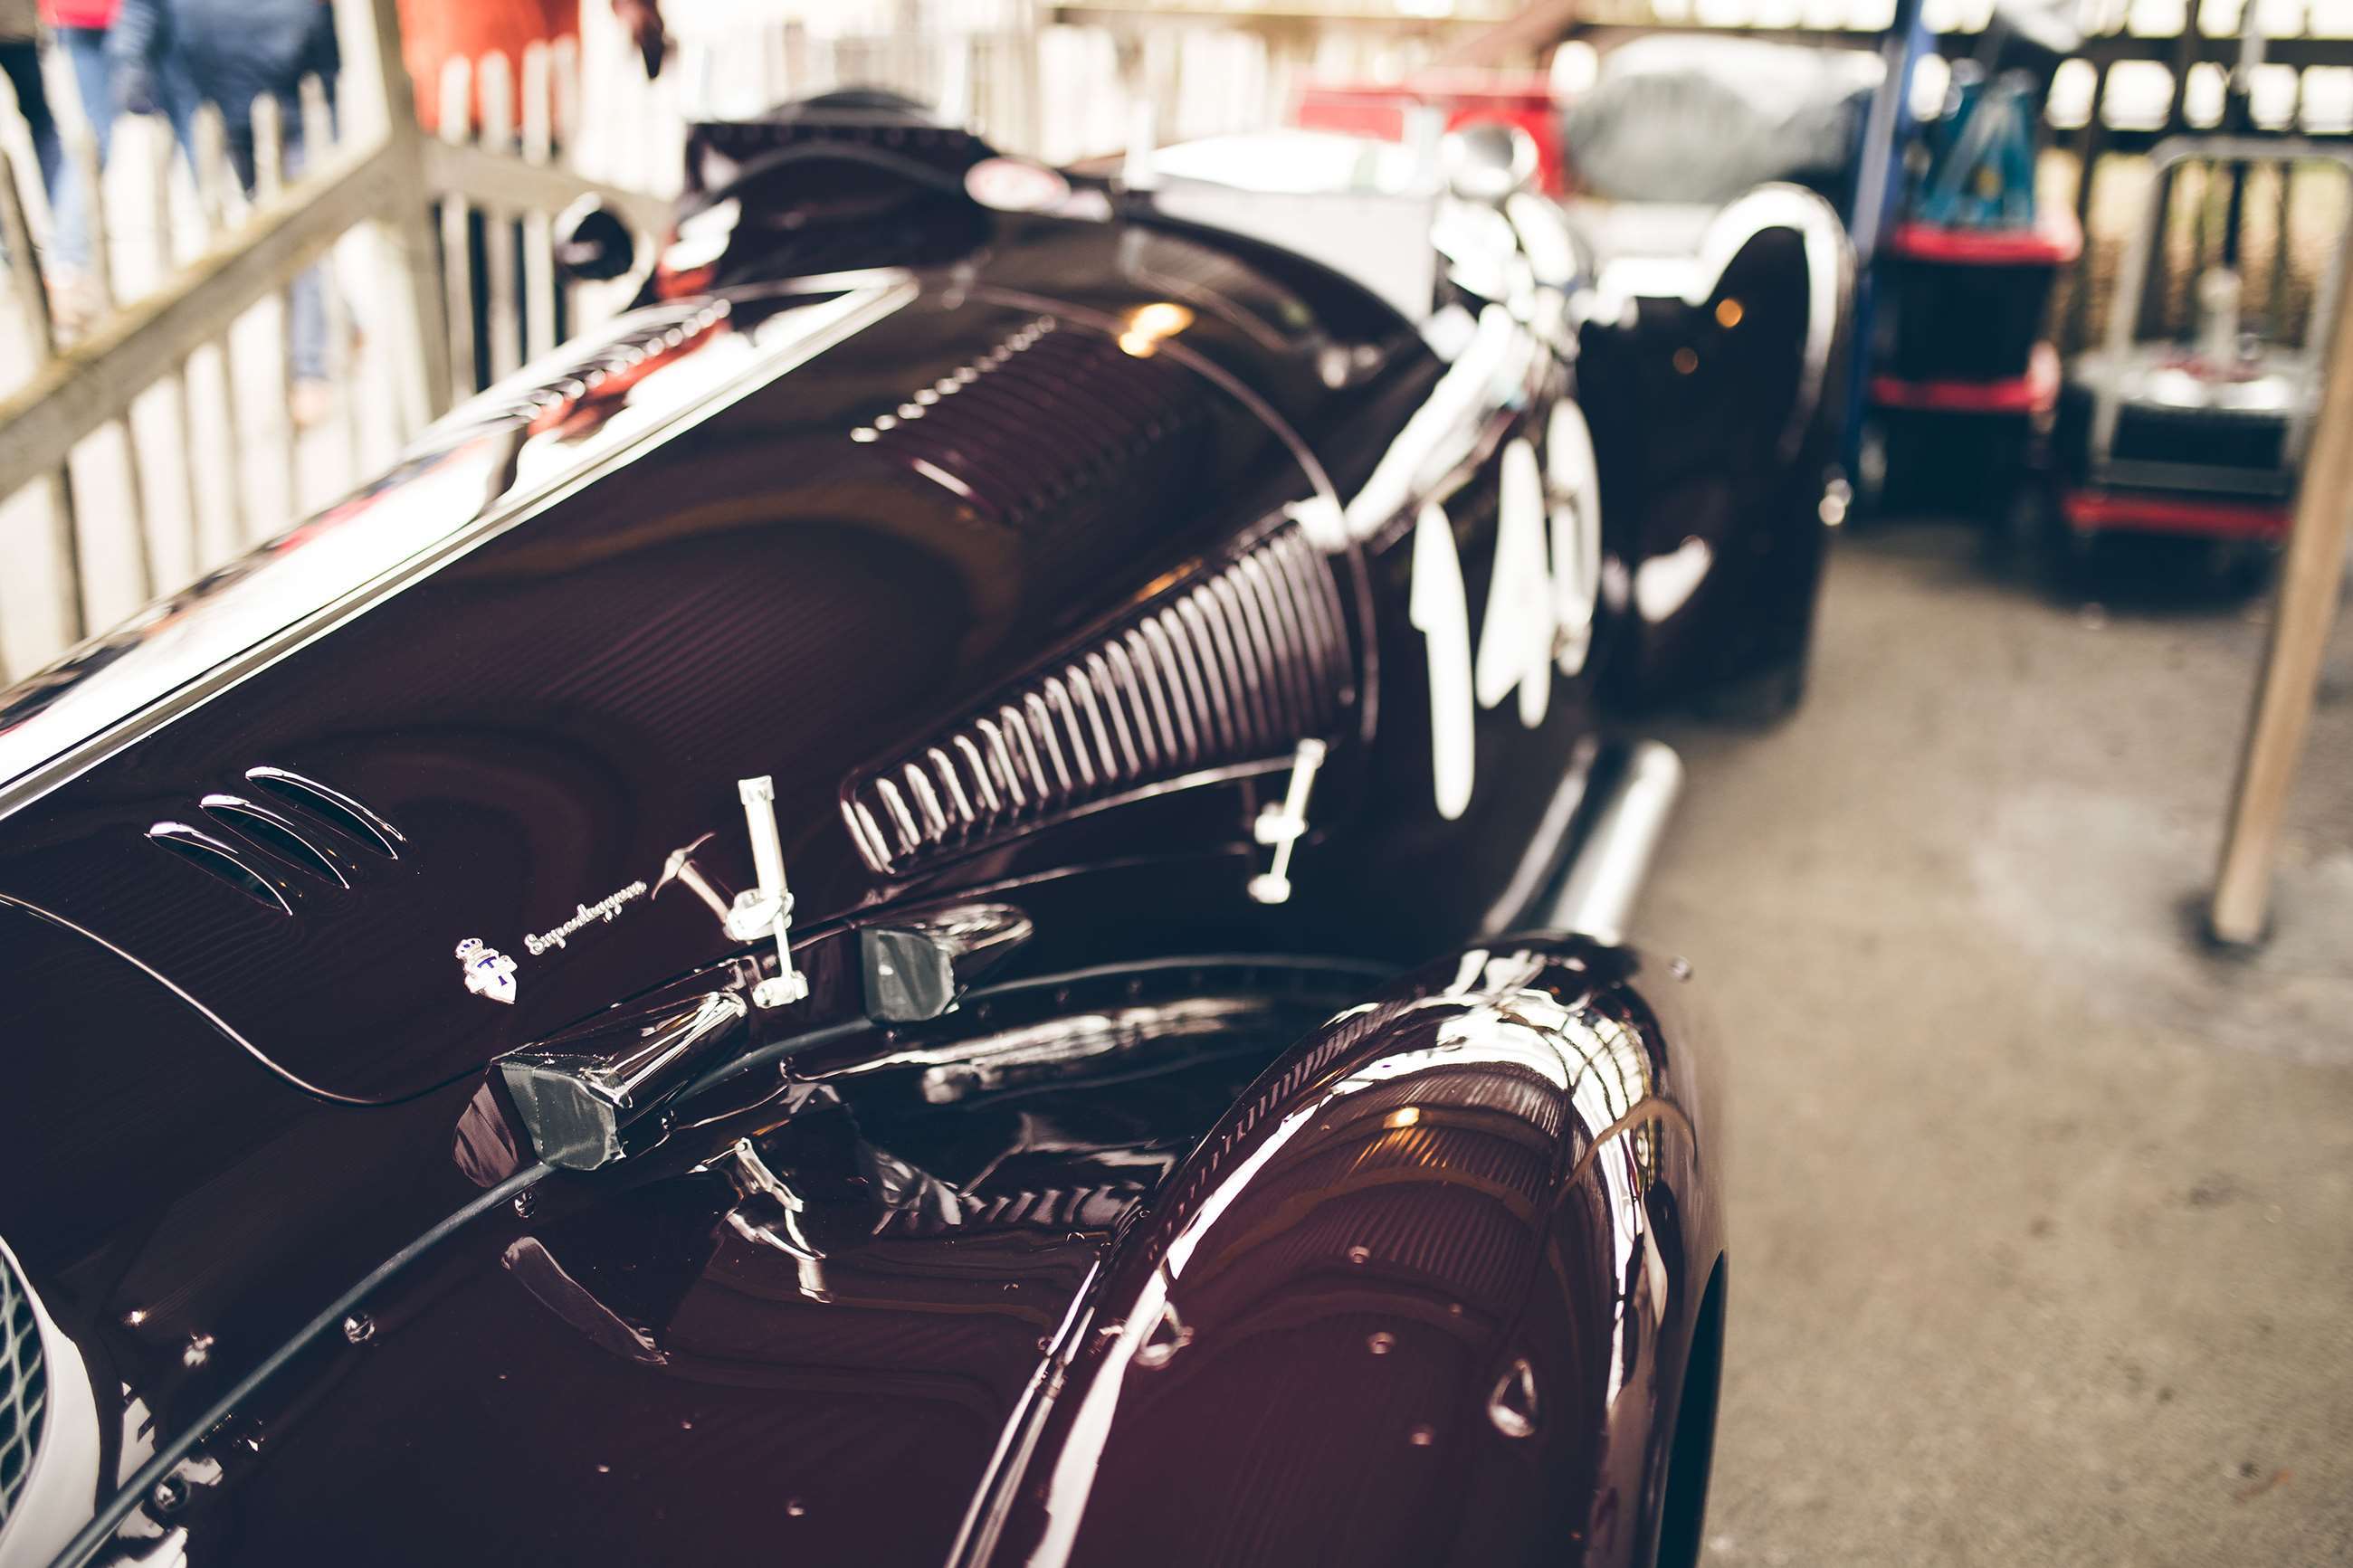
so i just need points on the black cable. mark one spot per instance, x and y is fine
(94, 1535)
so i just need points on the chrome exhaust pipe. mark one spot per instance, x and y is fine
(1598, 891)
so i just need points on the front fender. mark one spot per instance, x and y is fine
(1423, 1295)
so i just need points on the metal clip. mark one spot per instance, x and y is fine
(766, 910)
(1283, 826)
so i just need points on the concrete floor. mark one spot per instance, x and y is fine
(2042, 1215)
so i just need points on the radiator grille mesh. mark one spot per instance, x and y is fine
(1237, 666)
(24, 1388)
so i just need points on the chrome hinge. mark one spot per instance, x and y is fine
(766, 910)
(1283, 826)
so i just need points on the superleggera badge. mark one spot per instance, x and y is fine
(604, 909)
(489, 972)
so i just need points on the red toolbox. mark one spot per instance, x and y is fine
(1966, 304)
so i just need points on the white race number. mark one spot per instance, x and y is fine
(1539, 612)
(1439, 611)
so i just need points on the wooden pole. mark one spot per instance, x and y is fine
(2309, 587)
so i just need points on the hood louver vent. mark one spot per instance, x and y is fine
(279, 834)
(1235, 667)
(221, 860)
(332, 806)
(258, 843)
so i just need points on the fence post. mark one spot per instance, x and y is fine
(564, 126)
(33, 306)
(496, 134)
(795, 61)
(319, 139)
(1029, 37)
(457, 115)
(82, 148)
(209, 156)
(269, 179)
(539, 282)
(378, 93)
(149, 133)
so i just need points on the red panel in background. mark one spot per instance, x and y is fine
(2056, 240)
(1377, 110)
(2036, 392)
(2093, 511)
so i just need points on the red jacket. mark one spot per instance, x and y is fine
(98, 14)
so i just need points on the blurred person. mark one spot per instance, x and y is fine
(230, 53)
(78, 30)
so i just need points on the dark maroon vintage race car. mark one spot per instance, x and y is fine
(952, 900)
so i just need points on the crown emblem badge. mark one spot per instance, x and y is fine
(489, 972)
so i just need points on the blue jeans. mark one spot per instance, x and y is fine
(85, 49)
(306, 327)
